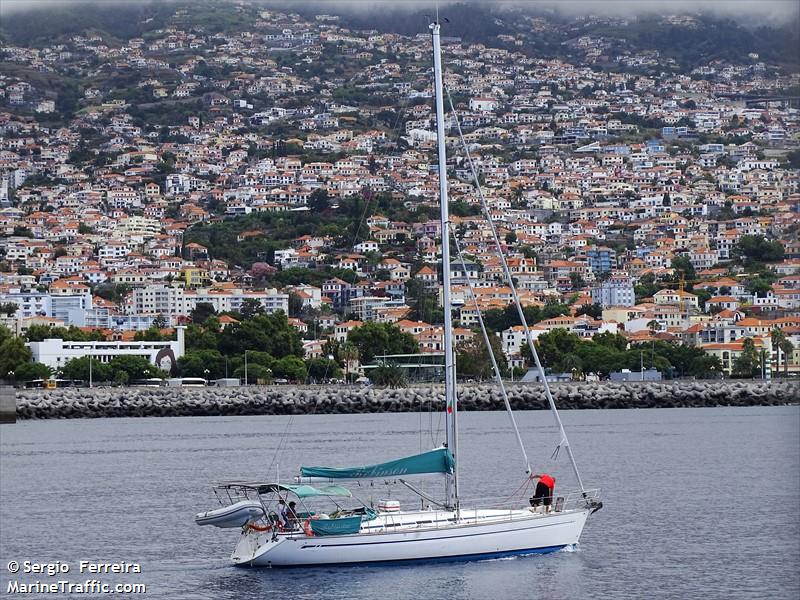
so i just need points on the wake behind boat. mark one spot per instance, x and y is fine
(276, 532)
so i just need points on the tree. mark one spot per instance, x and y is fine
(613, 341)
(195, 363)
(8, 308)
(160, 322)
(372, 339)
(127, 367)
(777, 337)
(576, 281)
(13, 353)
(646, 287)
(758, 286)
(473, 360)
(295, 305)
(347, 354)
(152, 334)
(291, 368)
(590, 310)
(78, 369)
(495, 319)
(388, 376)
(5, 333)
(319, 200)
(684, 268)
(198, 337)
(747, 364)
(423, 302)
(757, 249)
(267, 333)
(255, 374)
(551, 346)
(31, 371)
(321, 369)
(653, 326)
(201, 312)
(251, 308)
(787, 348)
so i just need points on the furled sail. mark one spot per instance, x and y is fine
(435, 461)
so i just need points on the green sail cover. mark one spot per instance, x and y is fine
(344, 526)
(435, 461)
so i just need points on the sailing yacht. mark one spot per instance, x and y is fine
(276, 532)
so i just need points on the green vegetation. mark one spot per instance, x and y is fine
(121, 20)
(499, 320)
(121, 369)
(37, 333)
(748, 363)
(473, 361)
(388, 376)
(15, 359)
(562, 351)
(377, 339)
(757, 249)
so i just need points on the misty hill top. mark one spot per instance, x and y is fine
(689, 40)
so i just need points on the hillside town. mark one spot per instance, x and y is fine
(261, 203)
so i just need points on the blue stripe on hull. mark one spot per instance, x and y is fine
(419, 561)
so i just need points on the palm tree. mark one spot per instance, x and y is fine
(653, 326)
(348, 353)
(787, 348)
(778, 337)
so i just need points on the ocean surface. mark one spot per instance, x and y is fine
(699, 503)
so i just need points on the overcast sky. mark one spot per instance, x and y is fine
(776, 11)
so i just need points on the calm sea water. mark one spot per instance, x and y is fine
(698, 502)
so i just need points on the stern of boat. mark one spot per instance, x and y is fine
(252, 545)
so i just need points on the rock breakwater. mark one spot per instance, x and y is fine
(283, 400)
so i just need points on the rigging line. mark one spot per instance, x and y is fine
(495, 368)
(515, 295)
(521, 488)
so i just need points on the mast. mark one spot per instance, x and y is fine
(451, 400)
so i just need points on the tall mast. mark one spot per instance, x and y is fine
(449, 354)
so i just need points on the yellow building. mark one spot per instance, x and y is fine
(195, 277)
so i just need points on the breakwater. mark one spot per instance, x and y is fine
(283, 400)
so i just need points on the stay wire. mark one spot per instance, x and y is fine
(548, 393)
(495, 367)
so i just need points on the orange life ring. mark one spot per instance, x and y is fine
(258, 527)
(307, 528)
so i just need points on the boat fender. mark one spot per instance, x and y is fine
(258, 527)
(307, 528)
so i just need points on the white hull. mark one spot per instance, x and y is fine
(396, 538)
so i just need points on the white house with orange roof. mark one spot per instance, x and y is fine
(676, 297)
(341, 330)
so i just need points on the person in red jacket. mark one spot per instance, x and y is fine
(543, 495)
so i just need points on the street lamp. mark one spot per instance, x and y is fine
(245, 367)
(206, 372)
(11, 377)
